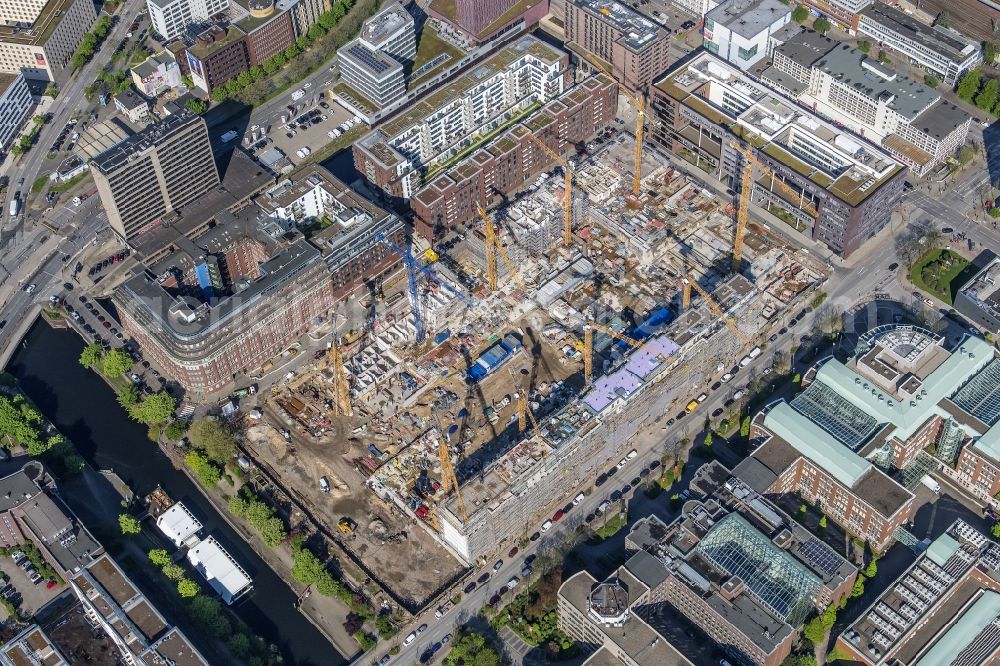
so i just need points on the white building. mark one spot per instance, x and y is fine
(171, 18)
(16, 104)
(373, 64)
(220, 570)
(697, 7)
(739, 30)
(945, 53)
(179, 525)
(156, 74)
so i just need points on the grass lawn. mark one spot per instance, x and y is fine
(941, 273)
(610, 528)
(430, 47)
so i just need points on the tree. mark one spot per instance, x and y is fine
(208, 473)
(822, 522)
(91, 355)
(745, 426)
(207, 612)
(797, 379)
(859, 586)
(708, 439)
(155, 409)
(968, 85)
(864, 46)
(51, 91)
(931, 81)
(472, 649)
(871, 569)
(211, 436)
(966, 154)
(800, 14)
(173, 571)
(195, 105)
(117, 362)
(187, 588)
(239, 645)
(176, 430)
(987, 97)
(129, 524)
(822, 25)
(990, 52)
(159, 557)
(128, 396)
(943, 20)
(996, 531)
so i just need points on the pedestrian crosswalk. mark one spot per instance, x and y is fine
(185, 412)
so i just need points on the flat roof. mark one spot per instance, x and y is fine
(940, 120)
(43, 26)
(637, 30)
(984, 612)
(940, 40)
(748, 19)
(132, 146)
(178, 523)
(201, 50)
(219, 568)
(175, 649)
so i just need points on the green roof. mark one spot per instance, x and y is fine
(202, 51)
(941, 550)
(965, 630)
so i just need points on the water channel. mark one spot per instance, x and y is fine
(84, 409)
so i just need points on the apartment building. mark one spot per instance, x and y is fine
(979, 298)
(42, 47)
(943, 609)
(217, 55)
(740, 31)
(945, 53)
(350, 244)
(906, 117)
(843, 13)
(698, 8)
(221, 305)
(483, 20)
(16, 104)
(734, 565)
(503, 165)
(411, 146)
(374, 65)
(31, 646)
(156, 74)
(832, 185)
(155, 172)
(633, 48)
(171, 18)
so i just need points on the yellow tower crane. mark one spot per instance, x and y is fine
(743, 209)
(341, 387)
(568, 202)
(523, 411)
(640, 123)
(493, 248)
(729, 321)
(448, 479)
(588, 345)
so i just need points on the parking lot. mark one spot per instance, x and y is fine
(303, 128)
(26, 596)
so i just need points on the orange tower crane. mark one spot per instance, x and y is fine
(568, 201)
(640, 123)
(588, 345)
(716, 310)
(493, 248)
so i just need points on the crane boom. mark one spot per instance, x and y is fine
(588, 345)
(448, 479)
(729, 321)
(568, 202)
(493, 248)
(341, 387)
(640, 121)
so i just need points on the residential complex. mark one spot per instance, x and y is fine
(31, 646)
(740, 31)
(155, 172)
(505, 163)
(156, 74)
(16, 104)
(979, 298)
(733, 564)
(632, 48)
(943, 609)
(908, 118)
(451, 121)
(41, 46)
(171, 18)
(375, 63)
(483, 20)
(946, 54)
(834, 186)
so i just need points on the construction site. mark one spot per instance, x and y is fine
(508, 365)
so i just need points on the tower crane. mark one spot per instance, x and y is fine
(412, 267)
(716, 310)
(341, 388)
(568, 185)
(493, 248)
(640, 123)
(448, 479)
(523, 409)
(743, 209)
(588, 345)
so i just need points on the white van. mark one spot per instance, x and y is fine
(547, 525)
(578, 499)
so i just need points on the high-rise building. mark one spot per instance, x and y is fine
(633, 48)
(157, 171)
(483, 20)
(16, 104)
(830, 184)
(374, 64)
(170, 18)
(42, 47)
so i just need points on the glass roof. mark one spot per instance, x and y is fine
(981, 395)
(825, 407)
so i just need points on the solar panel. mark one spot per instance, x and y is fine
(820, 556)
(368, 58)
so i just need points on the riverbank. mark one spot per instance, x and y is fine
(82, 406)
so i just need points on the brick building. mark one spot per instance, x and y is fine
(270, 38)
(635, 49)
(504, 164)
(483, 20)
(218, 55)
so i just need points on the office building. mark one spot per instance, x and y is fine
(16, 104)
(115, 606)
(906, 117)
(733, 564)
(833, 186)
(171, 18)
(42, 47)
(633, 48)
(414, 144)
(374, 64)
(740, 31)
(306, 13)
(133, 106)
(946, 54)
(217, 55)
(269, 27)
(147, 176)
(220, 306)
(156, 74)
(979, 298)
(350, 245)
(503, 165)
(943, 609)
(843, 13)
(699, 8)
(483, 20)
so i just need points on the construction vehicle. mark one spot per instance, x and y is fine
(640, 125)
(493, 248)
(568, 175)
(716, 310)
(743, 208)
(588, 345)
(412, 267)
(347, 525)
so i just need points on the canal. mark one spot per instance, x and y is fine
(84, 409)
